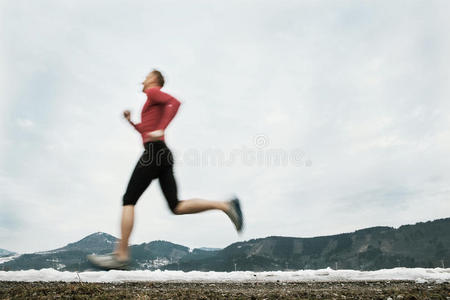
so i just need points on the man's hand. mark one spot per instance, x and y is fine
(155, 135)
(127, 115)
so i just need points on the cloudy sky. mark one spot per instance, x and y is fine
(323, 116)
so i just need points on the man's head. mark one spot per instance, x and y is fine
(154, 78)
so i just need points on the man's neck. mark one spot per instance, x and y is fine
(150, 86)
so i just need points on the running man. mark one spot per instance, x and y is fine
(157, 162)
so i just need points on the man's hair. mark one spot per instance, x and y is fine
(159, 77)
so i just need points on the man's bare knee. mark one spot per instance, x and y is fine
(176, 209)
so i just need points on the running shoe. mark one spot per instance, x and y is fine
(235, 214)
(108, 261)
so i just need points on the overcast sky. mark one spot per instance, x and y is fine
(339, 112)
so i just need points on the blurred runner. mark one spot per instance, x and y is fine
(157, 162)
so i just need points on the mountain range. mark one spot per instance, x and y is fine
(424, 244)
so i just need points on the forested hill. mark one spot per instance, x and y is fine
(420, 245)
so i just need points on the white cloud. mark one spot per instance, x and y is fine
(25, 123)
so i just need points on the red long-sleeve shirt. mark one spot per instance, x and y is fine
(157, 112)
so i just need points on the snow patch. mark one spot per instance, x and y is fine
(8, 258)
(419, 275)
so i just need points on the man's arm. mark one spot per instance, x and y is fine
(136, 126)
(170, 108)
(127, 116)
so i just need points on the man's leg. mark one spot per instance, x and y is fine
(126, 228)
(120, 258)
(140, 180)
(189, 206)
(143, 173)
(195, 205)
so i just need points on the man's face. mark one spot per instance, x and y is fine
(151, 78)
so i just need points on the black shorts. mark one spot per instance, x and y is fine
(156, 162)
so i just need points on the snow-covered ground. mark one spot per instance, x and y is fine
(418, 275)
(8, 258)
